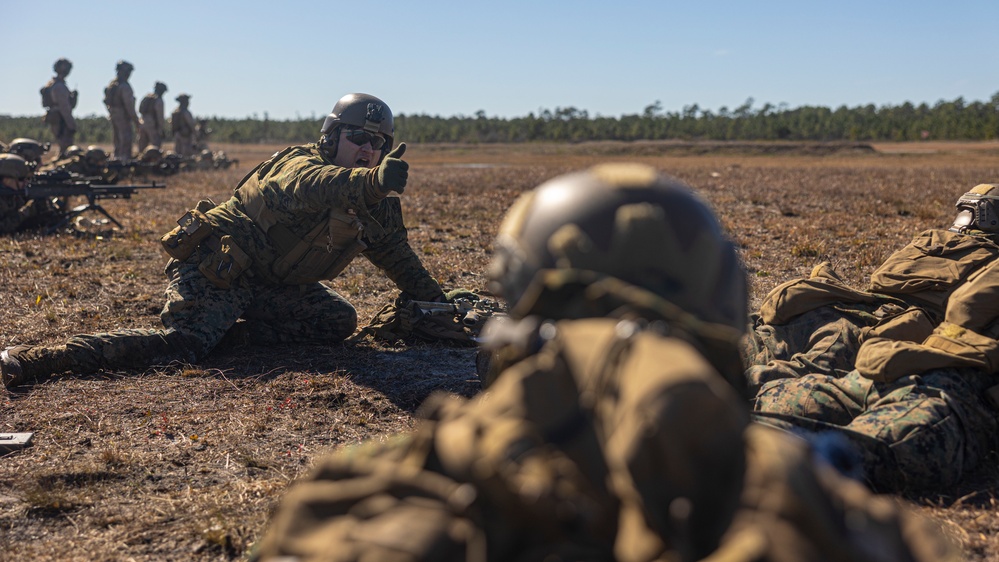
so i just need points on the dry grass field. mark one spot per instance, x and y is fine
(187, 461)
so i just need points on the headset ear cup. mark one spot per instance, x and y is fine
(330, 142)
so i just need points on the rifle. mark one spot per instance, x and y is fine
(65, 184)
(116, 170)
(458, 322)
(472, 313)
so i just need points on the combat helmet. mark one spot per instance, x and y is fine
(151, 155)
(73, 150)
(95, 156)
(159, 88)
(13, 166)
(978, 209)
(123, 66)
(363, 111)
(62, 63)
(29, 149)
(624, 221)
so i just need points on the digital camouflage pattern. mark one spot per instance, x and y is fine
(198, 313)
(298, 187)
(918, 433)
(817, 325)
(907, 381)
(196, 316)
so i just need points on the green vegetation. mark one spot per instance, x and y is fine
(945, 120)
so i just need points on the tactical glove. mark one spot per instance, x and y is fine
(393, 171)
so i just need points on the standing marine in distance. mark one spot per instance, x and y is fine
(183, 126)
(151, 111)
(59, 102)
(120, 101)
(253, 264)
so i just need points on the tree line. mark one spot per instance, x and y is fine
(944, 120)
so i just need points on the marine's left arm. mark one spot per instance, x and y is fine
(392, 254)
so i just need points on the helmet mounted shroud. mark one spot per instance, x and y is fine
(978, 209)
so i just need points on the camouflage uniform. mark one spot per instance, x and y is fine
(183, 125)
(153, 126)
(300, 187)
(816, 325)
(18, 213)
(121, 105)
(920, 432)
(59, 117)
(909, 388)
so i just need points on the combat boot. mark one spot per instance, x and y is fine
(23, 363)
(11, 372)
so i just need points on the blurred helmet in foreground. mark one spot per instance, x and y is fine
(624, 221)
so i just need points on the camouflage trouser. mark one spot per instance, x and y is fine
(121, 127)
(919, 432)
(149, 135)
(196, 316)
(822, 341)
(62, 133)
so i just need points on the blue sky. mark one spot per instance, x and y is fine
(510, 58)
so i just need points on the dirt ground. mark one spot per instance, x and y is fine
(187, 461)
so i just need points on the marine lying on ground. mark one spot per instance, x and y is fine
(62, 185)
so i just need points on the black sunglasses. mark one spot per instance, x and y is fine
(360, 137)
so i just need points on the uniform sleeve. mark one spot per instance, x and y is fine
(393, 255)
(308, 184)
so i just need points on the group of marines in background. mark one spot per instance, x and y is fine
(631, 410)
(189, 135)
